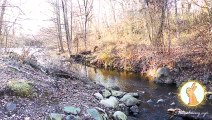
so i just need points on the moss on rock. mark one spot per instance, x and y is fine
(20, 87)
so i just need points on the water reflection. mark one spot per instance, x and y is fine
(127, 81)
(131, 82)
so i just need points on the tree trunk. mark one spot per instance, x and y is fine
(159, 38)
(61, 49)
(68, 39)
(71, 20)
(169, 33)
(2, 18)
(6, 39)
(176, 20)
(85, 24)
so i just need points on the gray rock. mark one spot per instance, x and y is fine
(103, 113)
(55, 116)
(134, 109)
(71, 110)
(129, 100)
(161, 101)
(172, 104)
(105, 93)
(98, 96)
(163, 71)
(125, 97)
(118, 115)
(112, 102)
(72, 117)
(133, 94)
(10, 106)
(149, 101)
(163, 76)
(94, 114)
(132, 101)
(210, 97)
(117, 93)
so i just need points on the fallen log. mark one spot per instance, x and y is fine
(188, 115)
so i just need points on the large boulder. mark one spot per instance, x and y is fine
(163, 76)
(129, 100)
(118, 115)
(163, 71)
(20, 87)
(112, 102)
(105, 93)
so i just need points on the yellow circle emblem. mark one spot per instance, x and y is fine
(192, 93)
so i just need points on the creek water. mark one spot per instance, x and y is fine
(134, 82)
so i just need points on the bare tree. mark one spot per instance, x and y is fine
(176, 20)
(86, 12)
(66, 23)
(58, 23)
(3, 6)
(156, 10)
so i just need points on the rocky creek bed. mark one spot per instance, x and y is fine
(53, 93)
(28, 93)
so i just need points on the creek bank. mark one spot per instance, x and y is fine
(55, 96)
(162, 75)
(161, 69)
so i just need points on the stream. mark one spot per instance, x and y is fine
(134, 82)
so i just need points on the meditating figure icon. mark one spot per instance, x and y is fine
(191, 94)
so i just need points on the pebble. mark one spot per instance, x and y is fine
(10, 106)
(172, 104)
(161, 101)
(149, 101)
(134, 109)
